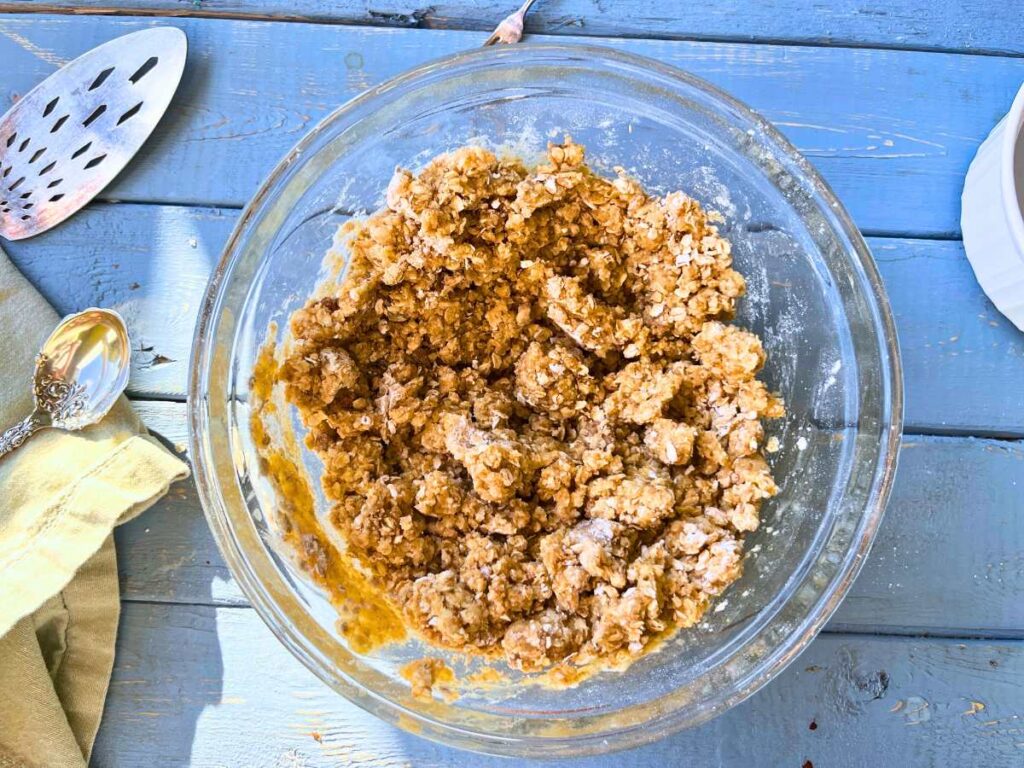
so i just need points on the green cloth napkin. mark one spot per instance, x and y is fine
(61, 494)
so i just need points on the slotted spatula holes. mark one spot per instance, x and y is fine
(129, 114)
(67, 139)
(100, 78)
(144, 70)
(95, 114)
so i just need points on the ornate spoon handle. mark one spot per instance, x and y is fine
(21, 432)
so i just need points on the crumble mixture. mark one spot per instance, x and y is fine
(540, 435)
(427, 675)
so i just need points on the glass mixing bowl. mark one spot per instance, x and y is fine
(814, 296)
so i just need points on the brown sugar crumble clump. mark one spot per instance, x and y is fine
(540, 435)
(427, 675)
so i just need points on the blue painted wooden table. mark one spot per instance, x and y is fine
(924, 662)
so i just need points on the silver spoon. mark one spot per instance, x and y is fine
(68, 137)
(80, 372)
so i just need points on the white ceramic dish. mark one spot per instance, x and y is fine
(991, 214)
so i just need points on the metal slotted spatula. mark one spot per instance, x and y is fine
(73, 133)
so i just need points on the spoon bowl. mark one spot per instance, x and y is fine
(80, 372)
(82, 368)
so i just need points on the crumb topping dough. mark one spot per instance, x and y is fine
(540, 433)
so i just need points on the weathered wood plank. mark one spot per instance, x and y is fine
(212, 687)
(955, 345)
(948, 558)
(966, 25)
(152, 262)
(893, 131)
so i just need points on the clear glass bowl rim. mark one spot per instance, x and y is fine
(575, 743)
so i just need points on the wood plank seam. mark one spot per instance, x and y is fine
(1005, 436)
(898, 234)
(840, 629)
(422, 18)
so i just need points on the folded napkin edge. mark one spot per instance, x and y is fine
(113, 491)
